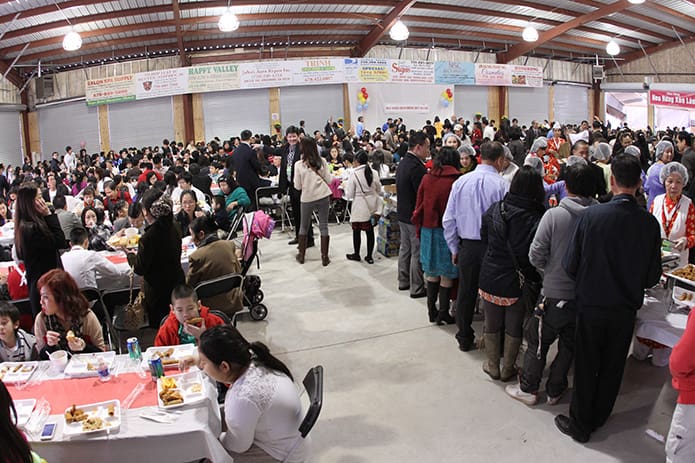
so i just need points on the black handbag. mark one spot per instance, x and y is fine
(530, 289)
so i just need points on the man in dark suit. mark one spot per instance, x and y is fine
(531, 134)
(291, 153)
(247, 167)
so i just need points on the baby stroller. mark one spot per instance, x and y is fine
(256, 225)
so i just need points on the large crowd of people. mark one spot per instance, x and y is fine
(536, 223)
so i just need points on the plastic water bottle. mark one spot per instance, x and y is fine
(103, 370)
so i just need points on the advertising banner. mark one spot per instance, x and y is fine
(164, 82)
(267, 74)
(318, 71)
(110, 90)
(526, 76)
(454, 73)
(412, 72)
(672, 99)
(213, 78)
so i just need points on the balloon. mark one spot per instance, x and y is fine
(366, 95)
(363, 90)
(359, 108)
(450, 98)
(365, 106)
(362, 99)
(445, 103)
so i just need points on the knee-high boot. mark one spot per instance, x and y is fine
(491, 365)
(443, 316)
(301, 248)
(511, 352)
(432, 295)
(324, 250)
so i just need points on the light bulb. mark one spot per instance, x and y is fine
(72, 41)
(612, 48)
(636, 2)
(228, 22)
(399, 31)
(530, 34)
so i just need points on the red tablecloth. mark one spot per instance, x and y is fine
(117, 258)
(63, 393)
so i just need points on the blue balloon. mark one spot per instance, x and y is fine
(365, 106)
(359, 108)
(445, 103)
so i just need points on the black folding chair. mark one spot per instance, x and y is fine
(220, 285)
(236, 223)
(313, 383)
(225, 318)
(96, 302)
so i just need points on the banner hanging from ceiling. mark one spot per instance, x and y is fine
(314, 71)
(685, 100)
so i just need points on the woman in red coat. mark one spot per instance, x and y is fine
(680, 443)
(432, 196)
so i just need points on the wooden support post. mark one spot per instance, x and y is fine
(104, 132)
(34, 135)
(346, 106)
(551, 104)
(275, 116)
(198, 117)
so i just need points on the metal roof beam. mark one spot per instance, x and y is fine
(632, 56)
(523, 48)
(380, 29)
(179, 33)
(11, 74)
(637, 16)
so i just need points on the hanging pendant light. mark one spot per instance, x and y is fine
(72, 41)
(612, 48)
(636, 2)
(399, 31)
(529, 34)
(228, 21)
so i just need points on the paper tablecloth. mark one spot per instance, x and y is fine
(655, 322)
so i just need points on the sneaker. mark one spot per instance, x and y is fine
(514, 391)
(556, 399)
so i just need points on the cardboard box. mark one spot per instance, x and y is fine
(387, 248)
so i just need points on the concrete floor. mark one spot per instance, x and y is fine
(397, 389)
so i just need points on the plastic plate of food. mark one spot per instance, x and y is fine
(180, 390)
(129, 242)
(83, 365)
(170, 355)
(91, 418)
(24, 408)
(685, 274)
(683, 296)
(17, 372)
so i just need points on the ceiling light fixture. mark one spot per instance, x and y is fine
(530, 34)
(228, 21)
(636, 2)
(72, 41)
(399, 31)
(612, 48)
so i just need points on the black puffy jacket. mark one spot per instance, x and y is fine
(497, 274)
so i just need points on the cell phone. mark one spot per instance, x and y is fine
(48, 432)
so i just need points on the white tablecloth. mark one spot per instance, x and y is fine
(656, 323)
(124, 281)
(193, 436)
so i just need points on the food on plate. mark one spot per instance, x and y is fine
(93, 423)
(111, 410)
(685, 296)
(163, 353)
(17, 368)
(169, 361)
(75, 415)
(171, 397)
(27, 368)
(195, 321)
(197, 387)
(687, 272)
(91, 366)
(169, 383)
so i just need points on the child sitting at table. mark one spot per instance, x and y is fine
(16, 345)
(187, 319)
(221, 216)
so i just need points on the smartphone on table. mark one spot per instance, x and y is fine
(48, 431)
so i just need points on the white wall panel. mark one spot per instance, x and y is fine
(141, 123)
(226, 114)
(571, 104)
(68, 124)
(313, 104)
(468, 100)
(528, 104)
(11, 148)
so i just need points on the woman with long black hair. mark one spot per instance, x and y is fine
(313, 178)
(38, 237)
(364, 189)
(13, 446)
(262, 407)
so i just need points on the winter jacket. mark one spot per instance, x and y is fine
(550, 243)
(682, 364)
(362, 195)
(313, 184)
(432, 196)
(168, 334)
(498, 274)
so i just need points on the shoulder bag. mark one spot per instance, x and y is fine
(134, 314)
(530, 290)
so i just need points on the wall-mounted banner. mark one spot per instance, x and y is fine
(454, 73)
(406, 108)
(672, 99)
(310, 71)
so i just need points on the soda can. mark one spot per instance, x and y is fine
(134, 349)
(156, 368)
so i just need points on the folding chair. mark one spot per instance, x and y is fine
(93, 295)
(313, 383)
(267, 192)
(235, 223)
(114, 303)
(220, 285)
(225, 318)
